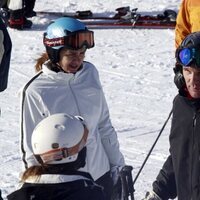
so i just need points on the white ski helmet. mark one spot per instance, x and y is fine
(59, 138)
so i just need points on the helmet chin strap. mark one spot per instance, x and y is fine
(60, 68)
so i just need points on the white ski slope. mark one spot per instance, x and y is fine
(135, 68)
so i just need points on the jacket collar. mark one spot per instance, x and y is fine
(61, 76)
(190, 100)
(55, 178)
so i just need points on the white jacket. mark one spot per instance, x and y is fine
(76, 94)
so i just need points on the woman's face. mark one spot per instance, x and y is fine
(71, 60)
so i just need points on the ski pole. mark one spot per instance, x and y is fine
(152, 147)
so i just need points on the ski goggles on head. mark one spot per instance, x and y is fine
(188, 56)
(75, 40)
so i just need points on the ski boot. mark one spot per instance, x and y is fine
(18, 21)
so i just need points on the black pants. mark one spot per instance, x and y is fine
(3, 4)
(28, 5)
(106, 182)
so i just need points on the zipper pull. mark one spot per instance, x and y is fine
(194, 120)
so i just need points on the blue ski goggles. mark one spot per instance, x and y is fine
(188, 56)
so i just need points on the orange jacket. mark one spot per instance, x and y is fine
(188, 20)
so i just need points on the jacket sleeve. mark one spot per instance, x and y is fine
(108, 135)
(165, 186)
(5, 53)
(188, 20)
(31, 115)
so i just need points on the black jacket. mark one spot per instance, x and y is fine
(5, 62)
(76, 190)
(180, 175)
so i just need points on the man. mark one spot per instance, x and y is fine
(188, 20)
(180, 174)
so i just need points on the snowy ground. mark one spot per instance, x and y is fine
(135, 68)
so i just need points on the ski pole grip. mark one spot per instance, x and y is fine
(128, 181)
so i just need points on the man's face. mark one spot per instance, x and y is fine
(192, 80)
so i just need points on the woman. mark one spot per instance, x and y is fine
(58, 144)
(66, 83)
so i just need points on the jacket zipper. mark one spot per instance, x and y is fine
(73, 94)
(193, 143)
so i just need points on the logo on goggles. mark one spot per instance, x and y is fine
(188, 56)
(54, 42)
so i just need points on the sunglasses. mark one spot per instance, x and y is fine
(74, 41)
(188, 56)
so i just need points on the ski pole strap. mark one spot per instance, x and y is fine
(127, 183)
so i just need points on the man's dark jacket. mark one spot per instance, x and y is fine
(180, 175)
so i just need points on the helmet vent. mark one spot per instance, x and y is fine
(60, 127)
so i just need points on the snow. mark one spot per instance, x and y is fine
(136, 70)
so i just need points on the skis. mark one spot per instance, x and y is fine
(123, 18)
(129, 24)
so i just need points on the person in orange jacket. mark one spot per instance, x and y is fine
(188, 20)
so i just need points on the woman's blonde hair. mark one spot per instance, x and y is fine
(34, 171)
(45, 59)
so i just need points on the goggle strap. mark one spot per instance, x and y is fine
(54, 42)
